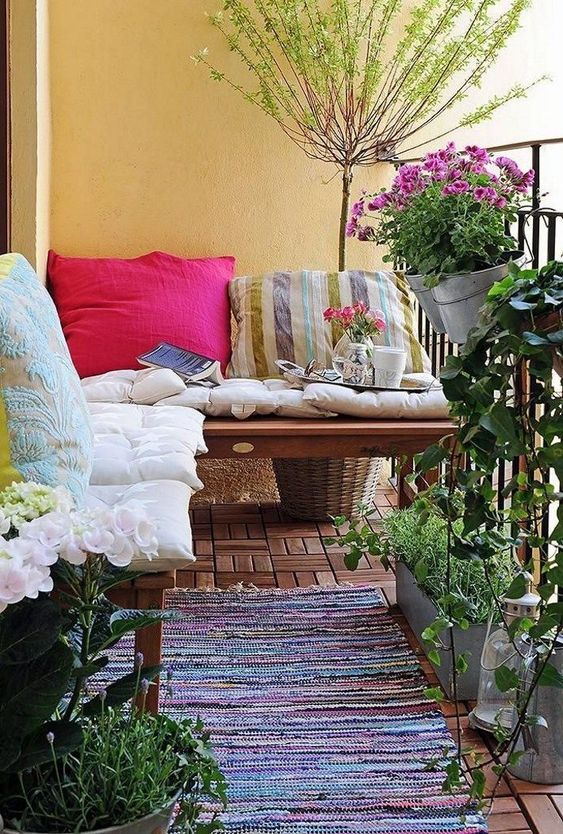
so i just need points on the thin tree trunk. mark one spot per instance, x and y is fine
(347, 176)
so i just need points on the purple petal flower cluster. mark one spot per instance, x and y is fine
(470, 175)
(458, 186)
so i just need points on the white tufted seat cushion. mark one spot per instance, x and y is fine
(135, 443)
(166, 503)
(429, 405)
(240, 398)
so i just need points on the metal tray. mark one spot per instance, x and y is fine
(410, 386)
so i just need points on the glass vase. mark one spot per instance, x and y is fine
(353, 360)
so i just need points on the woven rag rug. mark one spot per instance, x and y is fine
(316, 709)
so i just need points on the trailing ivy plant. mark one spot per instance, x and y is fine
(507, 402)
(353, 81)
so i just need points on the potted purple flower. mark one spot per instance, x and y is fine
(446, 218)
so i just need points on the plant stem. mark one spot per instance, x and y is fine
(347, 177)
(86, 622)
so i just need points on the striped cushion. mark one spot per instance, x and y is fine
(280, 316)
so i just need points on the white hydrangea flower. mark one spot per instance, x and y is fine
(20, 577)
(25, 501)
(118, 535)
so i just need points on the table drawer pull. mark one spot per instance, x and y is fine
(243, 448)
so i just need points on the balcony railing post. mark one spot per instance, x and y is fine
(536, 205)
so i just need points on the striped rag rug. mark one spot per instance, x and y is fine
(315, 705)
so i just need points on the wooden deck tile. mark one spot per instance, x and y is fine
(261, 545)
(542, 813)
(558, 802)
(243, 562)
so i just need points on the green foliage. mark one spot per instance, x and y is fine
(418, 537)
(508, 404)
(72, 761)
(124, 767)
(320, 67)
(352, 82)
(439, 236)
(35, 670)
(424, 548)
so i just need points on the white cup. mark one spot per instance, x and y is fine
(388, 366)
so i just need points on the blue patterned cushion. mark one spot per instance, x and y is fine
(45, 432)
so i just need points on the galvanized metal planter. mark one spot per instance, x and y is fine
(159, 821)
(460, 297)
(426, 301)
(420, 611)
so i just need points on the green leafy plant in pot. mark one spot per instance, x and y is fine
(415, 543)
(445, 217)
(77, 757)
(505, 395)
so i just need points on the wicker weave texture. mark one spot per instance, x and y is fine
(316, 488)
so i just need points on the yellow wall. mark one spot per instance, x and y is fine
(23, 78)
(149, 153)
(30, 130)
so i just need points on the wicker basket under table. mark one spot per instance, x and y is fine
(316, 488)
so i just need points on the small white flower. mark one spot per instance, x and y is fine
(97, 540)
(121, 552)
(71, 550)
(144, 535)
(126, 518)
(5, 523)
(49, 530)
(33, 553)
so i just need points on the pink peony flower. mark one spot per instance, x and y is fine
(509, 167)
(381, 201)
(485, 194)
(436, 166)
(366, 233)
(478, 154)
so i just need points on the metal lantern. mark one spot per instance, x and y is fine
(493, 706)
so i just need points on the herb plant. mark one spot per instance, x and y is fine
(424, 548)
(447, 214)
(129, 765)
(352, 81)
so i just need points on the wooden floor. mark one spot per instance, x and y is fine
(260, 544)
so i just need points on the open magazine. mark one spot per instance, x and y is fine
(192, 367)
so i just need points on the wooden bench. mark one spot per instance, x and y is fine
(274, 437)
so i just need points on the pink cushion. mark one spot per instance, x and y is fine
(112, 309)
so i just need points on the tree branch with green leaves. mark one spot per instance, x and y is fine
(353, 82)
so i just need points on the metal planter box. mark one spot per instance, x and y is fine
(420, 611)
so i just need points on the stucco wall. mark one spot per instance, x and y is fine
(30, 130)
(149, 152)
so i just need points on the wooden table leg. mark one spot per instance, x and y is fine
(406, 492)
(149, 640)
